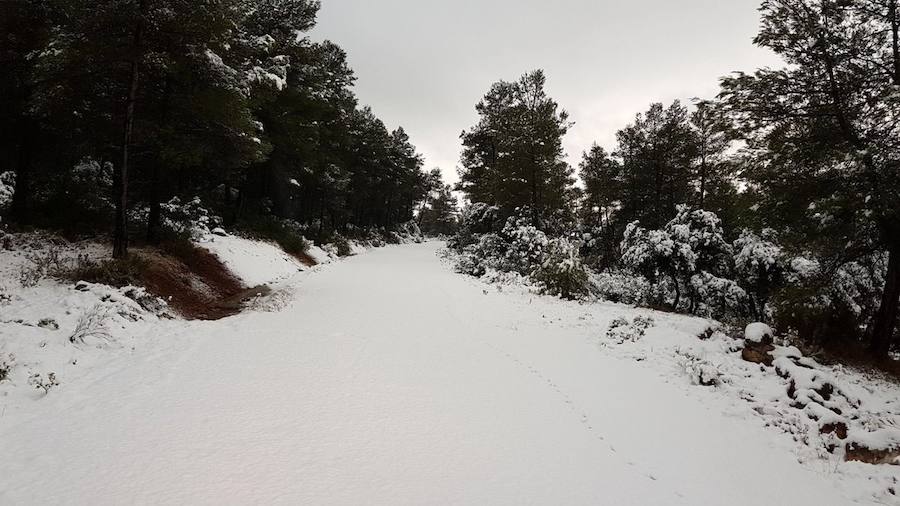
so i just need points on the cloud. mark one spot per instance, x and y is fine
(423, 64)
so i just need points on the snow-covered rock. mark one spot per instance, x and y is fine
(878, 447)
(759, 333)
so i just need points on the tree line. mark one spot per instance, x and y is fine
(800, 162)
(112, 107)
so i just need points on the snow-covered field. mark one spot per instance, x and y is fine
(389, 379)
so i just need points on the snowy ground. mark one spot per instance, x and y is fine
(254, 262)
(388, 379)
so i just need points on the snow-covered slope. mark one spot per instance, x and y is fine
(388, 379)
(253, 262)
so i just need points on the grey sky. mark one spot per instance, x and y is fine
(424, 64)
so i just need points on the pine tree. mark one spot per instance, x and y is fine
(658, 153)
(716, 169)
(439, 213)
(824, 132)
(602, 178)
(26, 27)
(712, 143)
(603, 192)
(513, 158)
(151, 93)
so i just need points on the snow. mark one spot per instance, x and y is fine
(756, 256)
(261, 75)
(51, 330)
(253, 262)
(389, 379)
(882, 439)
(7, 186)
(320, 255)
(758, 332)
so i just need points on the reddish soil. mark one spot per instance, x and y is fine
(193, 281)
(305, 259)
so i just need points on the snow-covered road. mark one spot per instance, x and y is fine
(391, 380)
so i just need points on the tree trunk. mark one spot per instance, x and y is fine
(677, 293)
(881, 329)
(120, 236)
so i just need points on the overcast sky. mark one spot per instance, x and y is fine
(424, 64)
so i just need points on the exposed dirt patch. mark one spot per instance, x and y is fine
(192, 280)
(305, 259)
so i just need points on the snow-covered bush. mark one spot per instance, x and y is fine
(558, 223)
(857, 285)
(391, 237)
(489, 252)
(648, 252)
(521, 248)
(700, 241)
(621, 330)
(820, 304)
(715, 296)
(591, 237)
(759, 265)
(700, 371)
(341, 245)
(7, 188)
(560, 271)
(146, 300)
(525, 246)
(40, 382)
(621, 286)
(691, 244)
(41, 265)
(469, 263)
(410, 232)
(476, 219)
(92, 324)
(189, 218)
(7, 361)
